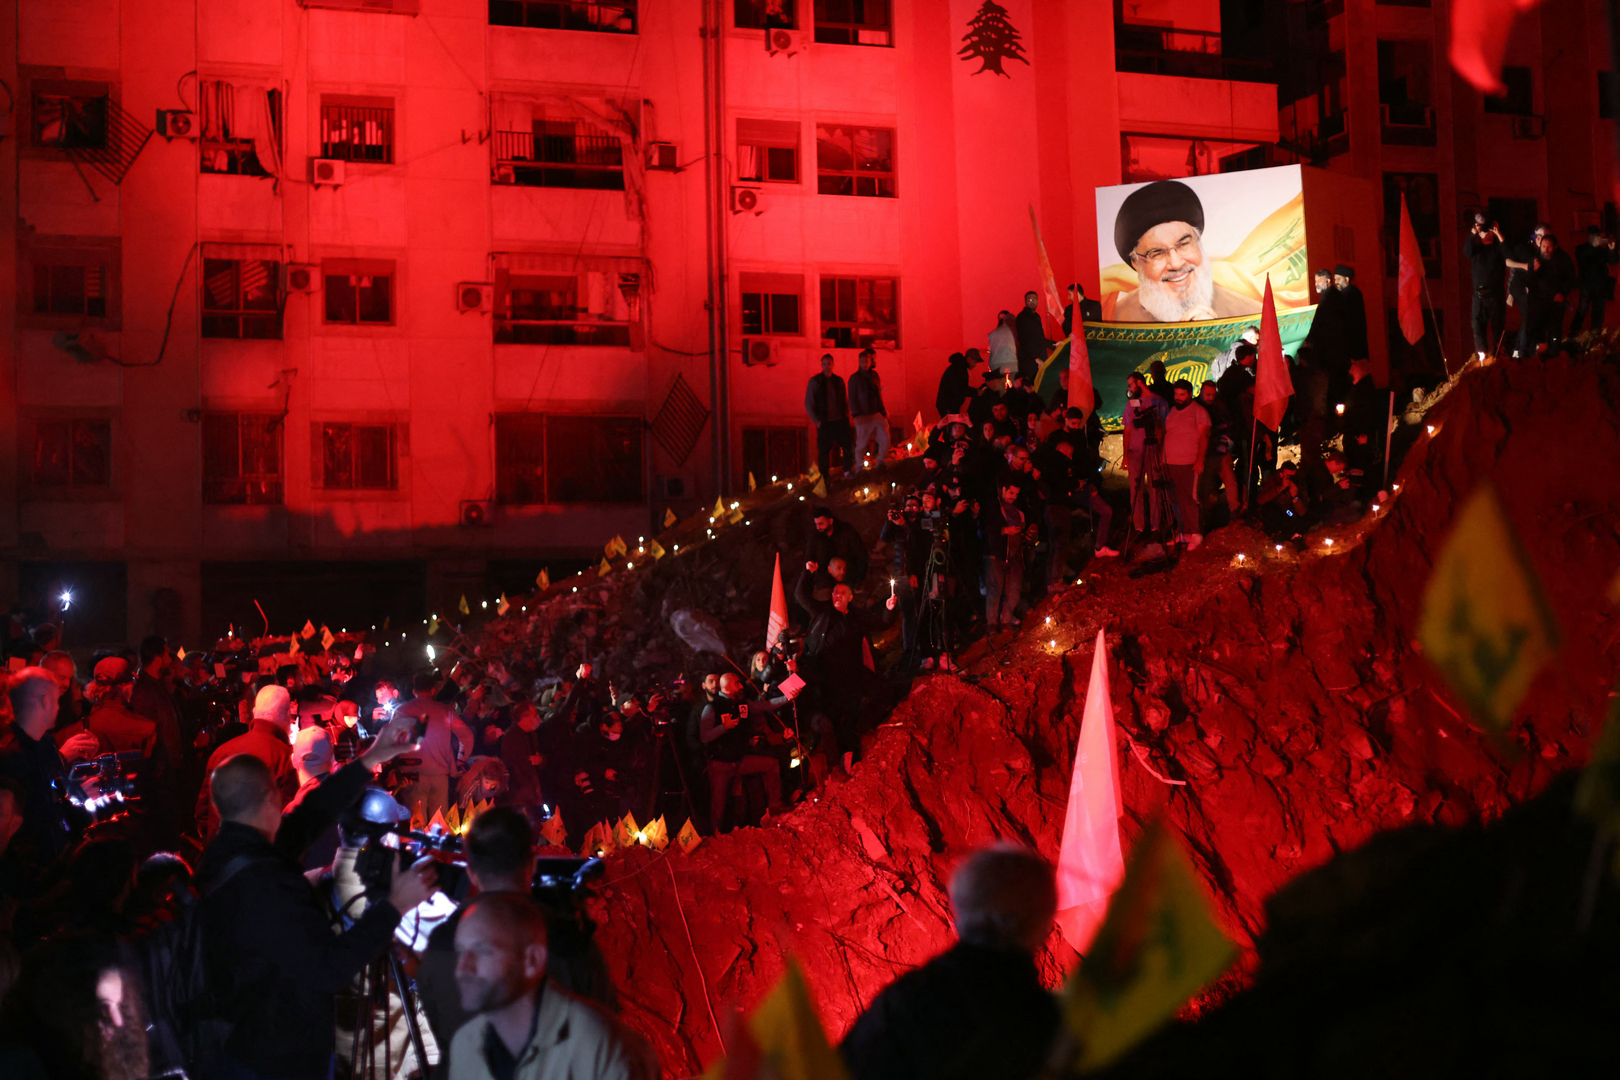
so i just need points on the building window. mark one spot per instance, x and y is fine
(855, 161)
(536, 151)
(358, 457)
(859, 312)
(1519, 99)
(241, 298)
(612, 18)
(357, 128)
(69, 290)
(771, 303)
(764, 14)
(70, 115)
(1405, 86)
(768, 151)
(853, 22)
(568, 459)
(72, 454)
(357, 293)
(588, 308)
(774, 451)
(242, 458)
(237, 124)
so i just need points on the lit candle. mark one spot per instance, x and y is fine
(891, 588)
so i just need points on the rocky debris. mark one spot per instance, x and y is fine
(1283, 688)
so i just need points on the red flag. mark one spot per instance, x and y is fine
(1082, 395)
(777, 620)
(1409, 286)
(1272, 386)
(1479, 37)
(1054, 302)
(1090, 862)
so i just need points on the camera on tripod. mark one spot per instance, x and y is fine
(113, 786)
(390, 845)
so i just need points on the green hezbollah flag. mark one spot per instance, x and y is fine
(1485, 624)
(1187, 349)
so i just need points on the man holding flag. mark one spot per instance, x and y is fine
(1272, 384)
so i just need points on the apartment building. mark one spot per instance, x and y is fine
(339, 306)
(1367, 89)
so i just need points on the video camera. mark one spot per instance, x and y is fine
(114, 782)
(560, 888)
(389, 844)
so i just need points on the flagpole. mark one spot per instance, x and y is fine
(1248, 476)
(1439, 337)
(1389, 436)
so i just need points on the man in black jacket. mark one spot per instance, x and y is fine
(834, 660)
(978, 1009)
(955, 392)
(1552, 280)
(1090, 310)
(270, 949)
(736, 744)
(1353, 310)
(866, 410)
(1592, 262)
(826, 402)
(831, 537)
(1032, 343)
(1484, 251)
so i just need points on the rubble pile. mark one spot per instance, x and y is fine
(1270, 703)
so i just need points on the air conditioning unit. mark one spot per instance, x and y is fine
(475, 296)
(176, 124)
(474, 512)
(326, 172)
(757, 351)
(302, 277)
(781, 42)
(661, 156)
(745, 200)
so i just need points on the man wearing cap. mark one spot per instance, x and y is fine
(312, 763)
(1159, 234)
(1186, 441)
(1353, 310)
(955, 391)
(265, 739)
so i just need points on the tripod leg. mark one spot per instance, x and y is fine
(407, 1001)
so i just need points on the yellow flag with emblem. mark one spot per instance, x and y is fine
(462, 606)
(418, 818)
(626, 832)
(719, 507)
(1157, 947)
(617, 546)
(657, 549)
(543, 579)
(782, 1040)
(688, 837)
(736, 516)
(814, 474)
(308, 631)
(554, 832)
(452, 820)
(751, 484)
(669, 518)
(1486, 626)
(658, 833)
(503, 605)
(820, 490)
(327, 638)
(292, 647)
(603, 569)
(433, 626)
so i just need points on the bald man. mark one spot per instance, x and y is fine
(978, 1009)
(266, 739)
(525, 1027)
(29, 756)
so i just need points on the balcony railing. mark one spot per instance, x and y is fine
(564, 157)
(1196, 54)
(1407, 124)
(609, 18)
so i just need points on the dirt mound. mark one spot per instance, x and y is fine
(1282, 688)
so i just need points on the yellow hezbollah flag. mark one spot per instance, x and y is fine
(657, 549)
(553, 832)
(603, 569)
(814, 474)
(1486, 626)
(308, 631)
(452, 820)
(543, 579)
(783, 1040)
(735, 516)
(1158, 945)
(617, 546)
(820, 490)
(418, 818)
(688, 837)
(327, 639)
(462, 606)
(433, 626)
(502, 606)
(751, 484)
(719, 507)
(658, 834)
(669, 518)
(627, 831)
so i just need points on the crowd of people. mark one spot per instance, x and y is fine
(1538, 278)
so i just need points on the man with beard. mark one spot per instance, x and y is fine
(1186, 441)
(525, 1026)
(1032, 343)
(1158, 233)
(1353, 310)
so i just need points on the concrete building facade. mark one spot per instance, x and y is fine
(337, 305)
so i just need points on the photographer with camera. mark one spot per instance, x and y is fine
(30, 756)
(610, 769)
(1484, 249)
(273, 961)
(1592, 262)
